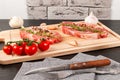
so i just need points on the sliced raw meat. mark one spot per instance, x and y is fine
(37, 34)
(83, 30)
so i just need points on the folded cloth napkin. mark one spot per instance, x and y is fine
(52, 62)
(113, 65)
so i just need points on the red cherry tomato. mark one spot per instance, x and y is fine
(33, 44)
(17, 49)
(23, 45)
(7, 49)
(31, 49)
(51, 41)
(44, 45)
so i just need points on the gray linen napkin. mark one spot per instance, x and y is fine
(52, 62)
(108, 76)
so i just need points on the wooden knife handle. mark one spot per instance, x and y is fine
(90, 64)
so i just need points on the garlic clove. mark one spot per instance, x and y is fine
(16, 22)
(91, 19)
(43, 25)
(73, 43)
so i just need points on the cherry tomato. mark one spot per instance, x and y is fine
(44, 45)
(31, 49)
(17, 49)
(33, 44)
(7, 49)
(23, 45)
(51, 41)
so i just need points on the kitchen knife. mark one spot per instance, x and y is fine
(73, 66)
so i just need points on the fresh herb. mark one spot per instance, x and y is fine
(30, 31)
(39, 32)
(83, 28)
(97, 31)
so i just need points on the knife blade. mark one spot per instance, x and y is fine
(73, 66)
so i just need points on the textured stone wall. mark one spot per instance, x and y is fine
(68, 9)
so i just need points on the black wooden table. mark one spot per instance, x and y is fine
(8, 72)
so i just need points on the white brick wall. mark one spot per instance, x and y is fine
(67, 12)
(68, 9)
(90, 3)
(102, 13)
(37, 12)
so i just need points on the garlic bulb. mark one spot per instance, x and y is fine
(16, 22)
(92, 19)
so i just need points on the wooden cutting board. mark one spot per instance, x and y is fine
(59, 49)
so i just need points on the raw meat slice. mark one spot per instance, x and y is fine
(37, 34)
(83, 30)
